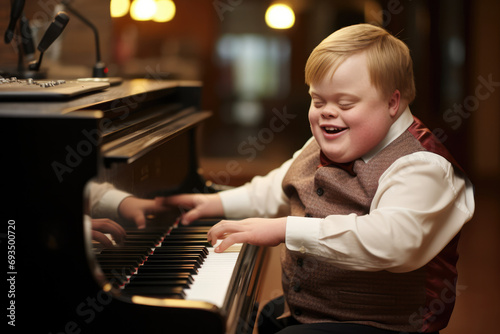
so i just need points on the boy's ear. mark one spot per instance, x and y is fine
(394, 102)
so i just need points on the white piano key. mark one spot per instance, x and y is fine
(212, 281)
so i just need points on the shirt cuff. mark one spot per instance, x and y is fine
(236, 203)
(302, 234)
(109, 203)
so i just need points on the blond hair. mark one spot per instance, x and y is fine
(389, 61)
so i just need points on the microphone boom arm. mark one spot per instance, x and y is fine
(99, 69)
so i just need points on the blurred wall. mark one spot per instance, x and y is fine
(484, 84)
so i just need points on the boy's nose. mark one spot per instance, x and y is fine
(329, 113)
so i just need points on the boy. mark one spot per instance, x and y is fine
(370, 208)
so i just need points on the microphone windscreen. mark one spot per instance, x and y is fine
(54, 30)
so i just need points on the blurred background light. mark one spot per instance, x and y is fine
(280, 16)
(119, 8)
(165, 11)
(143, 10)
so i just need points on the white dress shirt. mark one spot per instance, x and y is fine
(420, 205)
(105, 200)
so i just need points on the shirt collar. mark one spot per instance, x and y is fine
(396, 129)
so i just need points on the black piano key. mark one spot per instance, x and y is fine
(155, 240)
(118, 269)
(195, 230)
(202, 237)
(146, 232)
(140, 243)
(144, 277)
(183, 283)
(182, 249)
(106, 257)
(125, 256)
(157, 291)
(119, 258)
(167, 242)
(193, 256)
(167, 268)
(138, 251)
(119, 262)
(162, 262)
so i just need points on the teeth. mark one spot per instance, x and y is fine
(331, 129)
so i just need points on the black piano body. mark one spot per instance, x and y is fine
(140, 136)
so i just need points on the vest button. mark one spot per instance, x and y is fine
(308, 215)
(320, 191)
(296, 287)
(300, 262)
(297, 312)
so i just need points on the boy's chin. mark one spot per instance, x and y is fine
(337, 157)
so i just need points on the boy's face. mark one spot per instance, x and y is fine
(348, 115)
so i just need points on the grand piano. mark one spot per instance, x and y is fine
(140, 136)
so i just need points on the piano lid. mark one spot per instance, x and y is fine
(129, 96)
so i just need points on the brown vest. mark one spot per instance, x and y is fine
(318, 291)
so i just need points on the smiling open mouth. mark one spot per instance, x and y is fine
(332, 130)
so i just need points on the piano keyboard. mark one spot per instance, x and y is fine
(179, 263)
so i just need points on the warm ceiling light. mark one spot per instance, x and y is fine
(143, 10)
(119, 8)
(165, 11)
(280, 16)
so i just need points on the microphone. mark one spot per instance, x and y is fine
(26, 38)
(15, 14)
(55, 29)
(99, 70)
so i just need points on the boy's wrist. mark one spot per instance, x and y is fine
(109, 204)
(235, 203)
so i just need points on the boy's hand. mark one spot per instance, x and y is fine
(255, 231)
(194, 206)
(136, 209)
(103, 226)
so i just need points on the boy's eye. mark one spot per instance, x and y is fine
(345, 106)
(318, 104)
